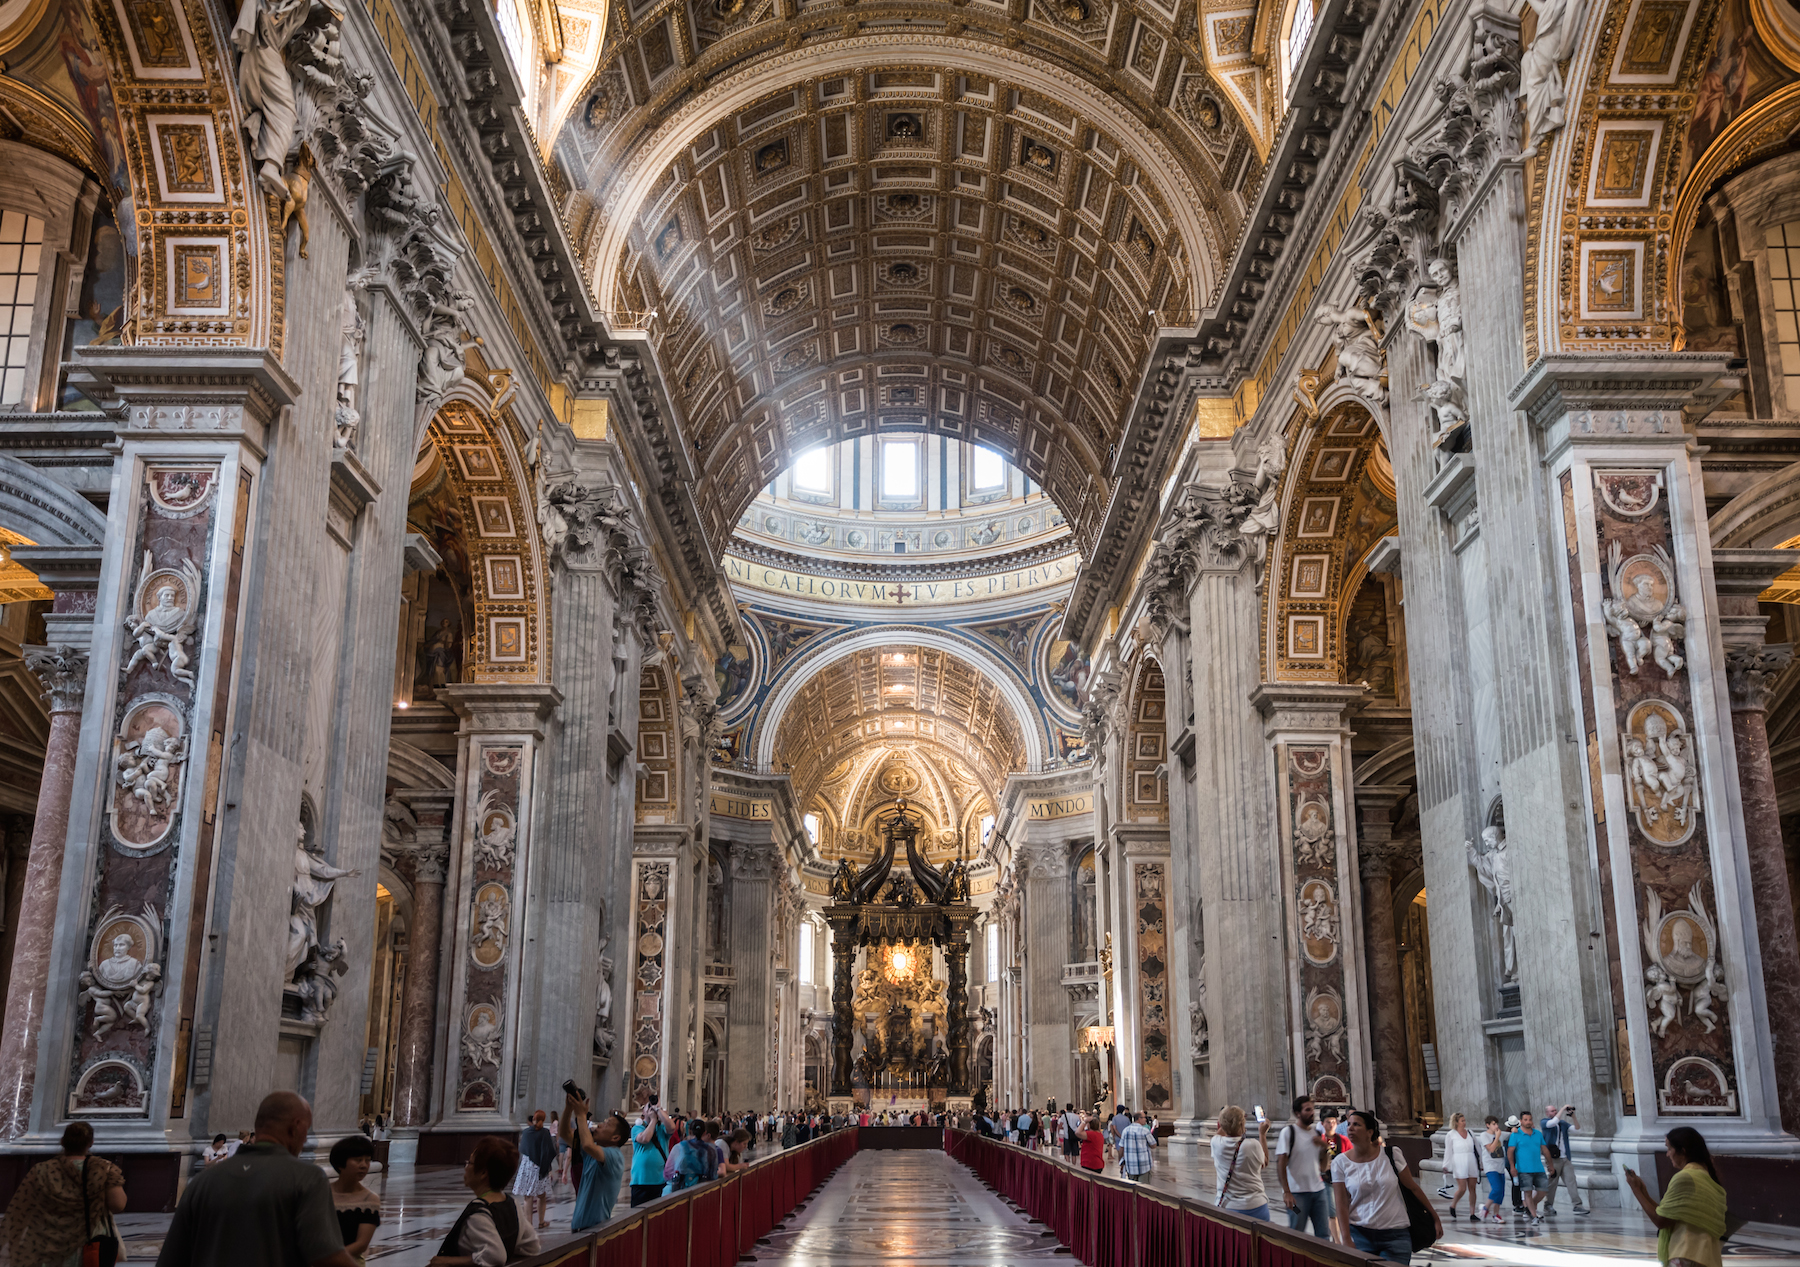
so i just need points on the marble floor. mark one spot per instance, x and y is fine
(921, 1207)
(907, 1207)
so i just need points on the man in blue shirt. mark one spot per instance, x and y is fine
(1525, 1153)
(1558, 1123)
(650, 1149)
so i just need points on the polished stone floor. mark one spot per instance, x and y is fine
(920, 1207)
(907, 1207)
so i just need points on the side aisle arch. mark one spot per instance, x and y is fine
(658, 748)
(205, 275)
(470, 499)
(1143, 777)
(1339, 501)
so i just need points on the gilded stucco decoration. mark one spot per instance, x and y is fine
(658, 749)
(1338, 502)
(1675, 96)
(1143, 769)
(468, 464)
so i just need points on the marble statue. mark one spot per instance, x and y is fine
(441, 364)
(1663, 999)
(345, 417)
(1495, 873)
(313, 982)
(1199, 1032)
(481, 1040)
(1643, 597)
(313, 881)
(814, 534)
(165, 629)
(1540, 74)
(1660, 771)
(1264, 517)
(494, 848)
(1435, 315)
(122, 986)
(1356, 331)
(261, 34)
(145, 766)
(1318, 919)
(491, 924)
(1312, 836)
(603, 1019)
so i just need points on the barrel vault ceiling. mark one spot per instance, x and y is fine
(854, 217)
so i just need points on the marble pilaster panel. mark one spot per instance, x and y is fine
(754, 998)
(1685, 980)
(1326, 993)
(137, 886)
(500, 764)
(662, 891)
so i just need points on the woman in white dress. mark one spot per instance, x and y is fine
(1462, 1161)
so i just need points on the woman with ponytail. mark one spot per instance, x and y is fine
(1690, 1218)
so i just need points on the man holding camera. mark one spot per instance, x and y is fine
(597, 1160)
(650, 1149)
(1557, 1126)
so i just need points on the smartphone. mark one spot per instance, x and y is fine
(1260, 1115)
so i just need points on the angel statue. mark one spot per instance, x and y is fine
(1635, 606)
(166, 627)
(843, 881)
(1357, 333)
(1662, 998)
(1494, 871)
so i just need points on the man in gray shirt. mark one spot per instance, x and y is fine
(262, 1204)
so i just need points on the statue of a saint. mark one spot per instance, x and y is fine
(313, 882)
(262, 32)
(1495, 873)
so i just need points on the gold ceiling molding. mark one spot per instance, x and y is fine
(631, 182)
(49, 125)
(1760, 132)
(1779, 25)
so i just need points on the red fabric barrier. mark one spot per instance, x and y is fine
(666, 1234)
(1081, 1219)
(622, 1249)
(1214, 1244)
(1112, 1226)
(730, 1199)
(1158, 1232)
(703, 1227)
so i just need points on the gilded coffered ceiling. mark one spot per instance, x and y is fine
(956, 217)
(900, 698)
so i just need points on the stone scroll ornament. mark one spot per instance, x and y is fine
(490, 914)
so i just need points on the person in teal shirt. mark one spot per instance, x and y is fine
(598, 1164)
(650, 1149)
(1525, 1154)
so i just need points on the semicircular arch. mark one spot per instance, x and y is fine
(45, 512)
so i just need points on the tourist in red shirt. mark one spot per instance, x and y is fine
(1093, 1147)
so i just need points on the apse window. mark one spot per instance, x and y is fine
(988, 471)
(812, 827)
(812, 470)
(21, 251)
(900, 470)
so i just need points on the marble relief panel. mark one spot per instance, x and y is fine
(1153, 983)
(1319, 922)
(1671, 910)
(649, 982)
(491, 915)
(120, 1002)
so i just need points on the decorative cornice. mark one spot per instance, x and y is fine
(918, 567)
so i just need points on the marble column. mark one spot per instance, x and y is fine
(1751, 668)
(418, 1001)
(1379, 856)
(63, 671)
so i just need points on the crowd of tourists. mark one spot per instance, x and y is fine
(1342, 1181)
(255, 1200)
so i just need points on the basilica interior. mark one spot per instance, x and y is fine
(913, 554)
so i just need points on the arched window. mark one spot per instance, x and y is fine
(993, 950)
(808, 936)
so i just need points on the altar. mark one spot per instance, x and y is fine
(900, 1032)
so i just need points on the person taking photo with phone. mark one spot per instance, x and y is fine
(649, 1150)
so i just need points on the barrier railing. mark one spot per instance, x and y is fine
(712, 1224)
(1113, 1223)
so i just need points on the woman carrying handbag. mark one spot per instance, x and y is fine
(62, 1214)
(1380, 1209)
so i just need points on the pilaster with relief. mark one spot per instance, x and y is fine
(1651, 683)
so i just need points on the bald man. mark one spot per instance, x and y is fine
(262, 1204)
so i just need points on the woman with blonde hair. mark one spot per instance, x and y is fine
(1462, 1162)
(1238, 1165)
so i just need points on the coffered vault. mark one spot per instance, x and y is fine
(963, 218)
(900, 695)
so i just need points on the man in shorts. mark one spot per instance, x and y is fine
(1525, 1152)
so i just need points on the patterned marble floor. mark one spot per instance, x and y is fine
(907, 1207)
(923, 1208)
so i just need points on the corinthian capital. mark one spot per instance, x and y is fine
(1751, 673)
(62, 671)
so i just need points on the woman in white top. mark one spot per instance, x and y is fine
(1238, 1165)
(1371, 1213)
(1462, 1160)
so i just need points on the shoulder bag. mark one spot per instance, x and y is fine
(102, 1248)
(1418, 1215)
(1225, 1184)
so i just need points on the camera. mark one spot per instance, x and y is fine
(572, 1091)
(653, 1099)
